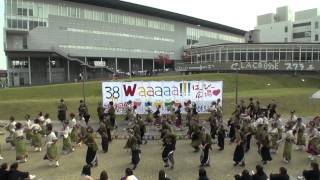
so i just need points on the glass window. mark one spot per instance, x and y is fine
(25, 24)
(14, 23)
(286, 29)
(316, 37)
(25, 12)
(20, 11)
(316, 25)
(30, 12)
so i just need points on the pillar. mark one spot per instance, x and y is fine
(116, 64)
(29, 70)
(130, 68)
(142, 64)
(50, 77)
(8, 72)
(68, 70)
(152, 64)
(85, 68)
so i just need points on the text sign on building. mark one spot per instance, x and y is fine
(99, 63)
(253, 65)
(163, 93)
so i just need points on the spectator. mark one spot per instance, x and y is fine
(245, 175)
(4, 171)
(103, 175)
(129, 175)
(283, 175)
(86, 173)
(260, 174)
(162, 175)
(313, 174)
(15, 174)
(203, 174)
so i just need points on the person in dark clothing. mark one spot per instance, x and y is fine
(260, 174)
(203, 174)
(104, 137)
(62, 111)
(245, 175)
(272, 109)
(162, 175)
(221, 136)
(100, 111)
(15, 174)
(4, 171)
(313, 174)
(283, 175)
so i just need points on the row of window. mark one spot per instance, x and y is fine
(100, 48)
(196, 33)
(44, 9)
(23, 24)
(255, 56)
(135, 36)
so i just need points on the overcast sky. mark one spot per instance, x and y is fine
(236, 13)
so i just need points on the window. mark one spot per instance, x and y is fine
(316, 25)
(316, 37)
(286, 29)
(30, 12)
(20, 11)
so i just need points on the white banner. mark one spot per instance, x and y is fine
(161, 93)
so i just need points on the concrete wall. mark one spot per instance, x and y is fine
(275, 32)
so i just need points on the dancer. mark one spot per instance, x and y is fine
(157, 116)
(289, 140)
(314, 141)
(112, 115)
(238, 155)
(132, 144)
(104, 137)
(149, 112)
(221, 137)
(67, 146)
(11, 127)
(265, 148)
(36, 136)
(300, 129)
(169, 143)
(196, 136)
(20, 144)
(27, 127)
(74, 128)
(52, 149)
(91, 156)
(205, 147)
(178, 117)
(274, 133)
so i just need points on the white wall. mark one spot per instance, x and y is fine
(275, 32)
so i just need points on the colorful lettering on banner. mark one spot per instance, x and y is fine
(161, 93)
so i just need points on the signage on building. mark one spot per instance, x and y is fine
(99, 63)
(251, 66)
(151, 94)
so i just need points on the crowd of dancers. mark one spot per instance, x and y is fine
(249, 120)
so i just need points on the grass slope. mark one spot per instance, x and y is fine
(288, 90)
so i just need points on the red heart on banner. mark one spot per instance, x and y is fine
(216, 92)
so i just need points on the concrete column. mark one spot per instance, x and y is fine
(8, 72)
(68, 70)
(153, 64)
(142, 64)
(85, 69)
(50, 75)
(116, 64)
(29, 70)
(220, 54)
(300, 54)
(130, 68)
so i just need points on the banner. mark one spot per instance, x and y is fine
(161, 93)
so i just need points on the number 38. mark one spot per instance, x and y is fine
(112, 92)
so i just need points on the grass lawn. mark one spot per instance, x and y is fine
(289, 91)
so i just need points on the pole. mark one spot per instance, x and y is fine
(237, 84)
(29, 70)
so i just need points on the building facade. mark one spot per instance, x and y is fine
(54, 41)
(252, 57)
(287, 26)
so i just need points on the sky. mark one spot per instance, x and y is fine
(236, 13)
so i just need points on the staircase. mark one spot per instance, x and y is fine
(65, 55)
